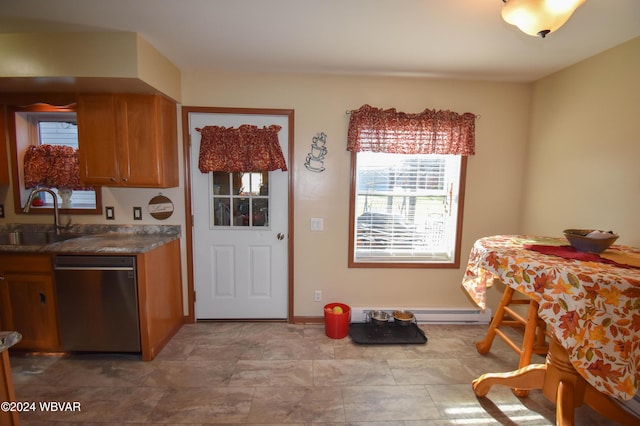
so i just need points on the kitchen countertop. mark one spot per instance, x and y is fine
(8, 339)
(99, 239)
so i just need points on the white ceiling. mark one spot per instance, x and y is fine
(443, 38)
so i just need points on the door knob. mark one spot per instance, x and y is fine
(280, 236)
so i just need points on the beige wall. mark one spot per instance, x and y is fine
(493, 179)
(579, 168)
(156, 70)
(92, 62)
(65, 54)
(583, 167)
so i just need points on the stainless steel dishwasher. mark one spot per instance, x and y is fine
(97, 298)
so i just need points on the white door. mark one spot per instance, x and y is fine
(240, 223)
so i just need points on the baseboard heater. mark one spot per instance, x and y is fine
(433, 315)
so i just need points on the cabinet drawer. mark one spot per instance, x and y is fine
(21, 263)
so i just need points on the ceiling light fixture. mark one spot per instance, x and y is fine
(539, 17)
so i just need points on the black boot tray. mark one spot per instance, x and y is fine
(390, 334)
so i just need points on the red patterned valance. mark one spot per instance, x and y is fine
(52, 166)
(429, 132)
(243, 149)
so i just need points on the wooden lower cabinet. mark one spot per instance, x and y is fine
(28, 305)
(27, 298)
(159, 297)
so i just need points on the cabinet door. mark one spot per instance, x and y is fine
(29, 308)
(98, 139)
(141, 151)
(128, 140)
(169, 142)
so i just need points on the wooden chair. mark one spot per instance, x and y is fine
(533, 329)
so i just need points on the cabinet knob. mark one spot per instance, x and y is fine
(113, 179)
(125, 179)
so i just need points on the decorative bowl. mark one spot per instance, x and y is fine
(590, 240)
(403, 317)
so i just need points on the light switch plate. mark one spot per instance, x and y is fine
(109, 214)
(137, 213)
(317, 224)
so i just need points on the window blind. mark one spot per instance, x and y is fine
(404, 206)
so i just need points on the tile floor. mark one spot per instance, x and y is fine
(276, 373)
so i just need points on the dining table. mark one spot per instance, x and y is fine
(590, 303)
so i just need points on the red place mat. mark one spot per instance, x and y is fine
(568, 252)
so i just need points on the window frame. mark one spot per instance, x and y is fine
(454, 264)
(20, 139)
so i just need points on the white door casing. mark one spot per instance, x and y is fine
(239, 272)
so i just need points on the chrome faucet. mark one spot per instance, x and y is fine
(56, 217)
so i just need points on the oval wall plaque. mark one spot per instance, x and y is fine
(160, 207)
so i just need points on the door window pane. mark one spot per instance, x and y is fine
(221, 212)
(260, 212)
(240, 199)
(221, 184)
(241, 212)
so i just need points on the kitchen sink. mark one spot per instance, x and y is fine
(33, 238)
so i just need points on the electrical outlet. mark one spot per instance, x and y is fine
(109, 213)
(317, 295)
(137, 213)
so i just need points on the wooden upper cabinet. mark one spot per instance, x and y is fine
(4, 160)
(97, 139)
(128, 140)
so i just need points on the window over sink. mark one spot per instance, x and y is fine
(55, 130)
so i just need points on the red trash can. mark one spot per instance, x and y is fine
(336, 325)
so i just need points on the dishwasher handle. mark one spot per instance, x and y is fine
(93, 268)
(93, 263)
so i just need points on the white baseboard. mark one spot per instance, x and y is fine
(433, 315)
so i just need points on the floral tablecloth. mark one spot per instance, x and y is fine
(593, 308)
